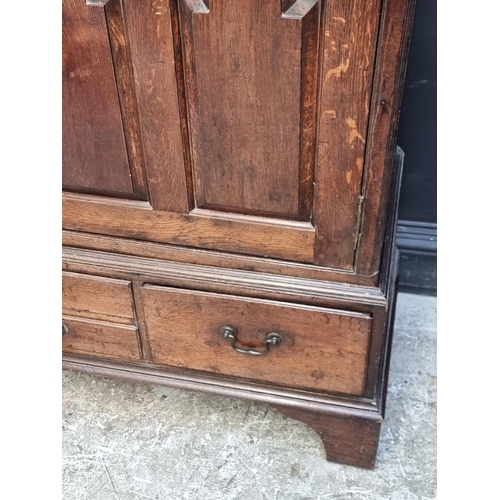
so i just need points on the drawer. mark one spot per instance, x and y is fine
(94, 297)
(100, 338)
(321, 349)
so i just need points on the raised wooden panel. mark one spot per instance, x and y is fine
(251, 81)
(94, 148)
(102, 144)
(321, 349)
(246, 126)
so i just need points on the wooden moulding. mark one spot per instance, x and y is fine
(186, 255)
(233, 281)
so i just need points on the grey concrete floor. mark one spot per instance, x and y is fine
(131, 441)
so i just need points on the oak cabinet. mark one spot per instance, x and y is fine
(229, 198)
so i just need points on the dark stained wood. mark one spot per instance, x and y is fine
(348, 62)
(391, 226)
(243, 89)
(180, 73)
(97, 297)
(280, 240)
(349, 428)
(348, 439)
(149, 28)
(310, 13)
(382, 381)
(392, 52)
(230, 164)
(126, 92)
(94, 149)
(322, 349)
(383, 318)
(341, 40)
(100, 338)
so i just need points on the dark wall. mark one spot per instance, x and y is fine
(417, 126)
(417, 228)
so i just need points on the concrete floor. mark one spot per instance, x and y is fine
(131, 441)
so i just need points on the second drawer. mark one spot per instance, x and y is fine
(308, 347)
(100, 338)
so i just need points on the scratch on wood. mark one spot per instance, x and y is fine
(329, 112)
(359, 163)
(341, 68)
(353, 133)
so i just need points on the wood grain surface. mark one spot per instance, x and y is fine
(322, 349)
(100, 338)
(213, 258)
(280, 240)
(243, 64)
(349, 50)
(149, 26)
(94, 147)
(96, 297)
(392, 54)
(122, 61)
(245, 109)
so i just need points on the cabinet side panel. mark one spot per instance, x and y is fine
(351, 29)
(397, 21)
(149, 27)
(94, 148)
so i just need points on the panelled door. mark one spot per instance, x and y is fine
(233, 125)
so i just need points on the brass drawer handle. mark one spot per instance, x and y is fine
(65, 329)
(271, 339)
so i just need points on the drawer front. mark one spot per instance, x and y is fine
(94, 297)
(100, 338)
(321, 349)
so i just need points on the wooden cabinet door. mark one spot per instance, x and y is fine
(231, 125)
